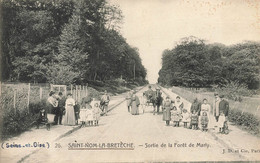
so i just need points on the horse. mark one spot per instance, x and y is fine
(154, 98)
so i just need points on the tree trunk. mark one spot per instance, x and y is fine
(95, 75)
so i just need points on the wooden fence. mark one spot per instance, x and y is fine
(20, 95)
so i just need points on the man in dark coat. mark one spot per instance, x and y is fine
(195, 106)
(61, 107)
(149, 93)
(223, 106)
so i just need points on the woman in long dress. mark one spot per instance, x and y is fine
(69, 118)
(167, 106)
(135, 102)
(205, 107)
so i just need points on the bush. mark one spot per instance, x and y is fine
(246, 120)
(234, 91)
(22, 120)
(92, 93)
(35, 107)
(16, 123)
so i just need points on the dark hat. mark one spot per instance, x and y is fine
(167, 97)
(178, 97)
(205, 99)
(69, 94)
(215, 94)
(51, 93)
(221, 96)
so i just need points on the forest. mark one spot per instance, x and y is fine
(64, 42)
(195, 64)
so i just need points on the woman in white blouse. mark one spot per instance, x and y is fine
(69, 118)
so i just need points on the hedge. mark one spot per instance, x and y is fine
(247, 121)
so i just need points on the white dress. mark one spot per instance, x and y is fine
(69, 118)
(83, 114)
(89, 115)
(186, 117)
(179, 105)
(96, 110)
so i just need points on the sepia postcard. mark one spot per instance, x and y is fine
(130, 81)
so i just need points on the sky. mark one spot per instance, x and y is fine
(155, 25)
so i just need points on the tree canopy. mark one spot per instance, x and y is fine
(45, 41)
(193, 63)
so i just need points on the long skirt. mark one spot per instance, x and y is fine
(134, 108)
(167, 114)
(69, 118)
(128, 102)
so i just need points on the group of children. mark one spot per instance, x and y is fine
(194, 119)
(89, 114)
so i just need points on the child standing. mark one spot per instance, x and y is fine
(83, 111)
(90, 115)
(185, 118)
(96, 111)
(194, 120)
(77, 111)
(175, 117)
(221, 121)
(204, 121)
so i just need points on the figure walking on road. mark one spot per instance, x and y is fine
(104, 102)
(128, 100)
(167, 107)
(135, 102)
(69, 118)
(157, 101)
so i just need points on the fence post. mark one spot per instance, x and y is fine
(29, 91)
(40, 93)
(14, 101)
(71, 88)
(80, 93)
(66, 90)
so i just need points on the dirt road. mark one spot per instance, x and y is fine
(142, 137)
